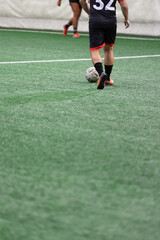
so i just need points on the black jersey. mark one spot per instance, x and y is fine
(103, 10)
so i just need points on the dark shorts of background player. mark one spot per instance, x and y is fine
(76, 1)
(101, 35)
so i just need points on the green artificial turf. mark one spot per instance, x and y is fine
(77, 163)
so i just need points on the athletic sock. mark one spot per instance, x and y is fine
(68, 25)
(108, 70)
(99, 68)
(75, 30)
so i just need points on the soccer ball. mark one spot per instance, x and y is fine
(91, 74)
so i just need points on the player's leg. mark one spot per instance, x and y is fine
(110, 35)
(96, 55)
(66, 26)
(97, 62)
(108, 61)
(109, 56)
(96, 43)
(76, 14)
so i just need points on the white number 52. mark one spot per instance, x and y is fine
(101, 5)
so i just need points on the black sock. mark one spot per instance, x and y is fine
(68, 25)
(108, 70)
(99, 68)
(75, 30)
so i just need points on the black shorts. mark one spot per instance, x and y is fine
(76, 1)
(102, 34)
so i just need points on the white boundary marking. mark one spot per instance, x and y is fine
(78, 60)
(82, 34)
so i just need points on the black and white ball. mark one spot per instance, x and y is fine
(91, 74)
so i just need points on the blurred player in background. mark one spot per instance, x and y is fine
(76, 9)
(102, 33)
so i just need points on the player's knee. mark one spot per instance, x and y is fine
(76, 14)
(108, 48)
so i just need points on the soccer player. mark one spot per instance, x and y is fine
(102, 33)
(76, 9)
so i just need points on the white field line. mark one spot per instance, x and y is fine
(82, 34)
(78, 60)
(138, 38)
